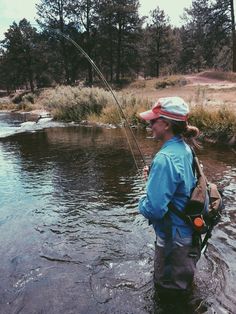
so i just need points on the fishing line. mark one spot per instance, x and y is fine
(120, 110)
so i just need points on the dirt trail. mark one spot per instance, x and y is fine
(209, 82)
(200, 89)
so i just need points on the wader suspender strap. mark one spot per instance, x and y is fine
(198, 170)
(168, 230)
(171, 207)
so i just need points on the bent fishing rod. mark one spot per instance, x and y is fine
(119, 108)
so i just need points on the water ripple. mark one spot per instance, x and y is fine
(72, 239)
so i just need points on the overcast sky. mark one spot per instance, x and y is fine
(15, 10)
(171, 7)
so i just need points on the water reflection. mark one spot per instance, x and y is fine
(173, 302)
(72, 240)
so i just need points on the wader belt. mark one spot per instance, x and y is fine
(196, 237)
(180, 214)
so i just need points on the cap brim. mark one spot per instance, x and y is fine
(149, 115)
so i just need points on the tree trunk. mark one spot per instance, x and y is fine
(31, 81)
(65, 59)
(111, 49)
(118, 53)
(157, 69)
(30, 72)
(89, 50)
(233, 34)
(158, 55)
(63, 45)
(111, 63)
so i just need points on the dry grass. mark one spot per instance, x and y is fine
(8, 107)
(75, 104)
(213, 110)
(92, 104)
(218, 124)
(138, 84)
(7, 104)
(97, 105)
(130, 105)
(210, 95)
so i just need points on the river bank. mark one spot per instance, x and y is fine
(212, 102)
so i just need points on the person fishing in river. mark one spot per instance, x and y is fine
(171, 180)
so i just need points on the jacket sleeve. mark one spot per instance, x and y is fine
(161, 186)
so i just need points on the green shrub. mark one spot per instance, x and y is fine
(138, 84)
(169, 81)
(25, 106)
(28, 98)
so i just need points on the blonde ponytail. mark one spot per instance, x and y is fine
(189, 133)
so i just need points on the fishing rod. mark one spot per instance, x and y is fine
(120, 110)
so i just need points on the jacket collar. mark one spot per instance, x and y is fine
(174, 139)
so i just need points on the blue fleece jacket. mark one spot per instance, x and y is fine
(171, 179)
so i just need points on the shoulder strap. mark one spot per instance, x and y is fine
(193, 163)
(196, 165)
(199, 172)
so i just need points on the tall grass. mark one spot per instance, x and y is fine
(8, 106)
(75, 104)
(130, 105)
(97, 105)
(93, 104)
(216, 124)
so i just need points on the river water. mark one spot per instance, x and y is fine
(72, 240)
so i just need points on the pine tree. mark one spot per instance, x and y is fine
(128, 26)
(209, 27)
(119, 31)
(226, 8)
(20, 56)
(157, 35)
(233, 34)
(107, 35)
(84, 14)
(54, 14)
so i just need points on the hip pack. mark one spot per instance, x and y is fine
(203, 210)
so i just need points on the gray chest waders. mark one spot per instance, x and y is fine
(168, 246)
(179, 262)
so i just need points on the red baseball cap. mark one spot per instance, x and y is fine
(174, 108)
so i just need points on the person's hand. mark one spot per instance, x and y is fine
(145, 172)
